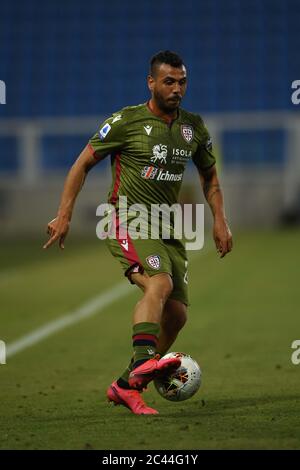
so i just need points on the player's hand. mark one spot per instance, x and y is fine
(57, 229)
(222, 236)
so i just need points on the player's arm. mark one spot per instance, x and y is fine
(58, 228)
(214, 196)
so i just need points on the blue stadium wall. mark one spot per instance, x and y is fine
(75, 57)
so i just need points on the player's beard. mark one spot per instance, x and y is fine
(166, 105)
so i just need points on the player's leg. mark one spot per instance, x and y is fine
(156, 290)
(173, 319)
(146, 317)
(174, 315)
(147, 264)
(155, 306)
(146, 328)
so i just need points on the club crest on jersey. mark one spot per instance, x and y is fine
(153, 261)
(104, 131)
(149, 172)
(187, 132)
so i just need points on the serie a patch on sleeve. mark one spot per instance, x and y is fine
(104, 131)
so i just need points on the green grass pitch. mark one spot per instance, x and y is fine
(243, 318)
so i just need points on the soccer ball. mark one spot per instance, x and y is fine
(181, 384)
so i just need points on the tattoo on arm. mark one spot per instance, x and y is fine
(210, 190)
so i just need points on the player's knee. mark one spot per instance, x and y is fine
(139, 279)
(165, 286)
(161, 285)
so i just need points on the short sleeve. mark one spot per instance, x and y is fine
(110, 138)
(204, 156)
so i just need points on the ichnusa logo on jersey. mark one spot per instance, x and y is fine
(154, 173)
(187, 133)
(149, 172)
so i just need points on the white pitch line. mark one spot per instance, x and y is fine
(87, 310)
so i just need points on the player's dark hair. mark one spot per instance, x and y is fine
(165, 57)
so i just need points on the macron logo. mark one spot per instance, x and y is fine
(148, 129)
(125, 244)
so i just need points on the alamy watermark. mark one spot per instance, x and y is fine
(161, 221)
(295, 357)
(2, 92)
(2, 352)
(295, 97)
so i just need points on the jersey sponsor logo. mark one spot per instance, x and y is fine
(182, 152)
(187, 133)
(154, 173)
(160, 153)
(148, 129)
(167, 176)
(104, 131)
(181, 156)
(116, 118)
(153, 261)
(149, 172)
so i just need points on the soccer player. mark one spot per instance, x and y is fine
(149, 146)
